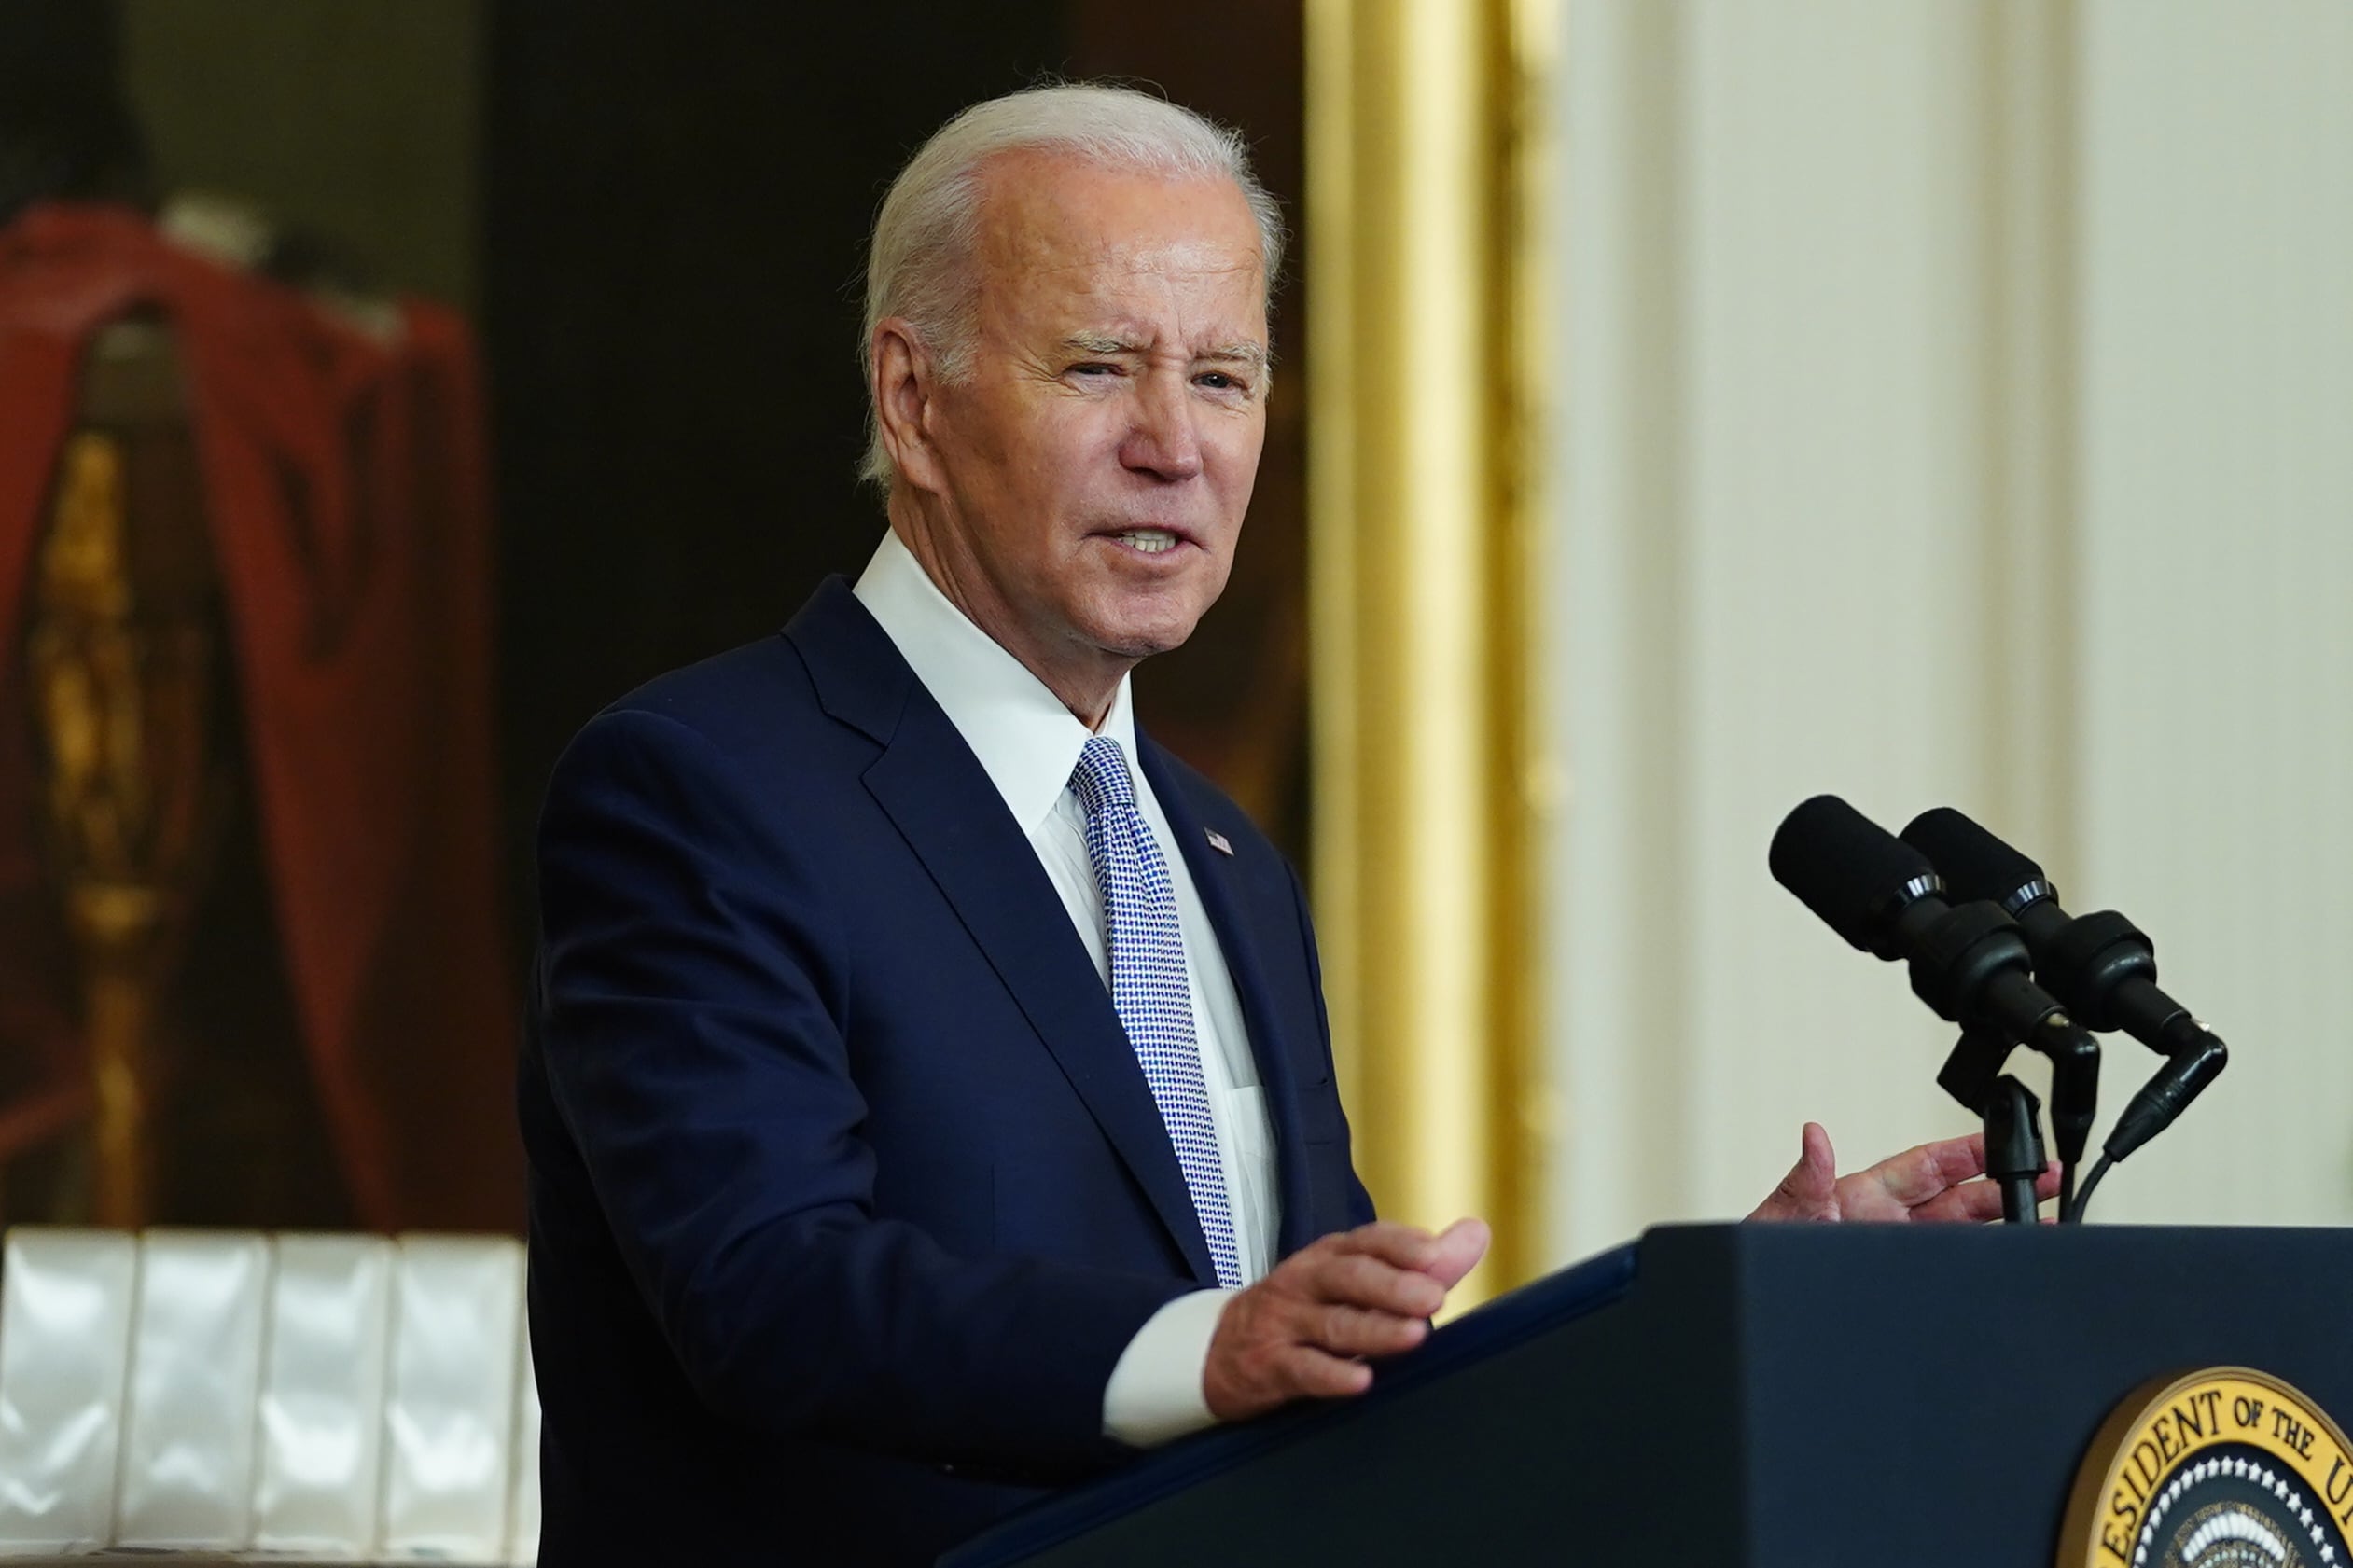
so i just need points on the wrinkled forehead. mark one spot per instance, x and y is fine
(1061, 235)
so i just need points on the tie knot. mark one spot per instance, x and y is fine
(1101, 779)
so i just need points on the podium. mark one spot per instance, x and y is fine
(1737, 1397)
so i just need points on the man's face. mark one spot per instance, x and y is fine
(1095, 464)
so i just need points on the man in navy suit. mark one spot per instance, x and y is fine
(928, 1095)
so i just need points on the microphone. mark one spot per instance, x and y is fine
(1969, 961)
(2100, 966)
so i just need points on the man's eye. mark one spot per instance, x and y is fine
(1094, 368)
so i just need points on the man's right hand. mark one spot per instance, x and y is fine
(1304, 1331)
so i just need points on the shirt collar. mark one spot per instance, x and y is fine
(1026, 741)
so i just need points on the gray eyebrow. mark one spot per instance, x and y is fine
(1244, 350)
(1097, 343)
(1250, 353)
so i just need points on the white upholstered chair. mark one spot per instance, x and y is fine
(334, 1398)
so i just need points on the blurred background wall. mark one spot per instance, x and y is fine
(359, 119)
(1958, 409)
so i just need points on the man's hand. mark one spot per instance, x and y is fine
(1935, 1182)
(1302, 1331)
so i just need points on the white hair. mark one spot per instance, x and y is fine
(918, 263)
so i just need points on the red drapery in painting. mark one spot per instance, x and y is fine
(346, 492)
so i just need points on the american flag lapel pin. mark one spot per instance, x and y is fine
(1218, 841)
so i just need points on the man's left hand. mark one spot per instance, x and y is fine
(1934, 1182)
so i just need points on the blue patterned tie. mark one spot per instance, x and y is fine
(1148, 988)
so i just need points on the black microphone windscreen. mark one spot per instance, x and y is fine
(1974, 863)
(1846, 869)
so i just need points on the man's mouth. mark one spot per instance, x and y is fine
(1152, 541)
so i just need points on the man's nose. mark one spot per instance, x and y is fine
(1164, 441)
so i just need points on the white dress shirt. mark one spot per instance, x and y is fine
(1029, 743)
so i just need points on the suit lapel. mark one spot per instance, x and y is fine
(940, 796)
(1216, 875)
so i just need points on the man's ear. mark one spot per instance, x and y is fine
(906, 380)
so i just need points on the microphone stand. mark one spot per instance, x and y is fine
(1970, 965)
(2013, 1146)
(1974, 1075)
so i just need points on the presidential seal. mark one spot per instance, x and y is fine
(2224, 1469)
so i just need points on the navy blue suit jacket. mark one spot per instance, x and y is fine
(846, 1188)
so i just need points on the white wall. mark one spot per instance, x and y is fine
(1958, 408)
(2216, 751)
